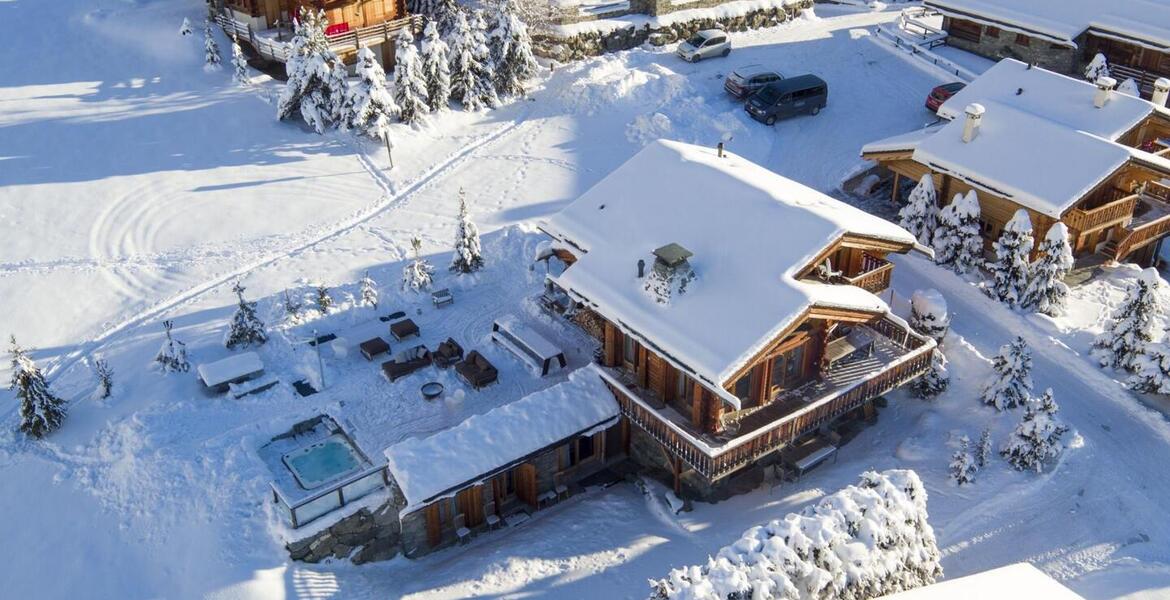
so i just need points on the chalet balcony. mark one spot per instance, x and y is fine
(1151, 220)
(1117, 209)
(898, 357)
(273, 43)
(873, 276)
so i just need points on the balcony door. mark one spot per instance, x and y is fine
(790, 369)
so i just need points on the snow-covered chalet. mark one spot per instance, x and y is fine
(737, 311)
(1061, 148)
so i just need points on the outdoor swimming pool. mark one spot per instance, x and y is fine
(322, 462)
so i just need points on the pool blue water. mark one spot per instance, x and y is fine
(320, 463)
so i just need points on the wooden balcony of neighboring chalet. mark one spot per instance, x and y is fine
(274, 44)
(1151, 220)
(1116, 210)
(898, 357)
(873, 276)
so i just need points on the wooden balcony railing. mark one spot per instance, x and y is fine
(1141, 235)
(352, 40)
(874, 276)
(1106, 214)
(716, 461)
(1155, 190)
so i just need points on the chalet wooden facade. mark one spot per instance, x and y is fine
(1064, 35)
(1115, 201)
(823, 353)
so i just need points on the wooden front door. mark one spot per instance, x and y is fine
(526, 484)
(470, 502)
(434, 524)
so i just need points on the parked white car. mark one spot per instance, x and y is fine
(705, 44)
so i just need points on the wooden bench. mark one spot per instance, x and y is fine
(843, 347)
(525, 343)
(442, 298)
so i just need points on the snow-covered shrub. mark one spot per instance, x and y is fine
(292, 307)
(511, 51)
(172, 356)
(1013, 251)
(1131, 326)
(41, 412)
(369, 291)
(862, 542)
(246, 328)
(312, 89)
(1046, 292)
(962, 467)
(436, 70)
(1130, 87)
(957, 242)
(1097, 68)
(1152, 370)
(983, 452)
(410, 89)
(239, 64)
(370, 108)
(1036, 439)
(323, 299)
(920, 215)
(185, 28)
(471, 77)
(105, 377)
(1011, 383)
(468, 253)
(935, 380)
(928, 314)
(416, 275)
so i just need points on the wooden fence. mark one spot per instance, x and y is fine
(1112, 212)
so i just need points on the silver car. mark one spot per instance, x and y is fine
(748, 79)
(705, 44)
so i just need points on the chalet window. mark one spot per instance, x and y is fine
(743, 387)
(1023, 40)
(788, 369)
(684, 395)
(966, 30)
(509, 483)
(991, 31)
(628, 348)
(585, 448)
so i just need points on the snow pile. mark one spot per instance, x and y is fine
(861, 542)
(484, 443)
(1021, 580)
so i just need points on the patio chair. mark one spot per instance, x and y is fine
(447, 354)
(476, 370)
(406, 362)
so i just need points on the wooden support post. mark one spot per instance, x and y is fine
(676, 463)
(894, 188)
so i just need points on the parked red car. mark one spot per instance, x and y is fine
(941, 94)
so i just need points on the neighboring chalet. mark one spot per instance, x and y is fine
(267, 25)
(1061, 148)
(737, 310)
(1063, 35)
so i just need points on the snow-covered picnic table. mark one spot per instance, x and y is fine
(527, 344)
(847, 345)
(233, 369)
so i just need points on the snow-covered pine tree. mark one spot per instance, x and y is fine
(513, 60)
(935, 380)
(1097, 68)
(185, 28)
(40, 411)
(292, 307)
(1011, 384)
(468, 253)
(246, 328)
(1130, 87)
(920, 215)
(441, 12)
(436, 70)
(239, 64)
(105, 377)
(1037, 438)
(410, 89)
(1131, 326)
(370, 107)
(471, 78)
(416, 275)
(1152, 369)
(339, 99)
(957, 242)
(311, 89)
(172, 356)
(369, 291)
(983, 453)
(1013, 252)
(963, 464)
(928, 314)
(1046, 292)
(324, 299)
(211, 58)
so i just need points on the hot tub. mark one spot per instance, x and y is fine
(325, 461)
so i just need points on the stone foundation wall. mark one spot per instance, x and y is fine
(364, 536)
(1039, 52)
(595, 43)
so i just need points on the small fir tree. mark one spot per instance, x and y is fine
(185, 28)
(105, 377)
(369, 291)
(983, 454)
(1131, 326)
(442, 12)
(324, 299)
(471, 78)
(1011, 384)
(468, 253)
(416, 275)
(1152, 369)
(920, 215)
(371, 108)
(292, 307)
(1010, 269)
(935, 380)
(435, 67)
(246, 328)
(1037, 438)
(211, 58)
(928, 314)
(172, 356)
(957, 242)
(1097, 68)
(410, 88)
(41, 412)
(1046, 292)
(311, 89)
(511, 51)
(239, 64)
(963, 464)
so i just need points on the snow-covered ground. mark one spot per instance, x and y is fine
(134, 187)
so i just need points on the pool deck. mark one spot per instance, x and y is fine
(273, 454)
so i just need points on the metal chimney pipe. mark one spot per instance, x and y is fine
(720, 149)
(641, 268)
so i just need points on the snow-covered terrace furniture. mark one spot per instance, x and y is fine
(448, 353)
(403, 329)
(857, 340)
(476, 370)
(373, 347)
(238, 368)
(808, 456)
(442, 298)
(525, 343)
(253, 386)
(406, 362)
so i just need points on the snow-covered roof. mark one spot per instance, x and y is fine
(1055, 97)
(903, 142)
(1138, 21)
(230, 368)
(1030, 160)
(484, 443)
(1020, 581)
(751, 231)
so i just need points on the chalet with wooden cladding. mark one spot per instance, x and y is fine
(736, 310)
(1063, 35)
(267, 25)
(1061, 148)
